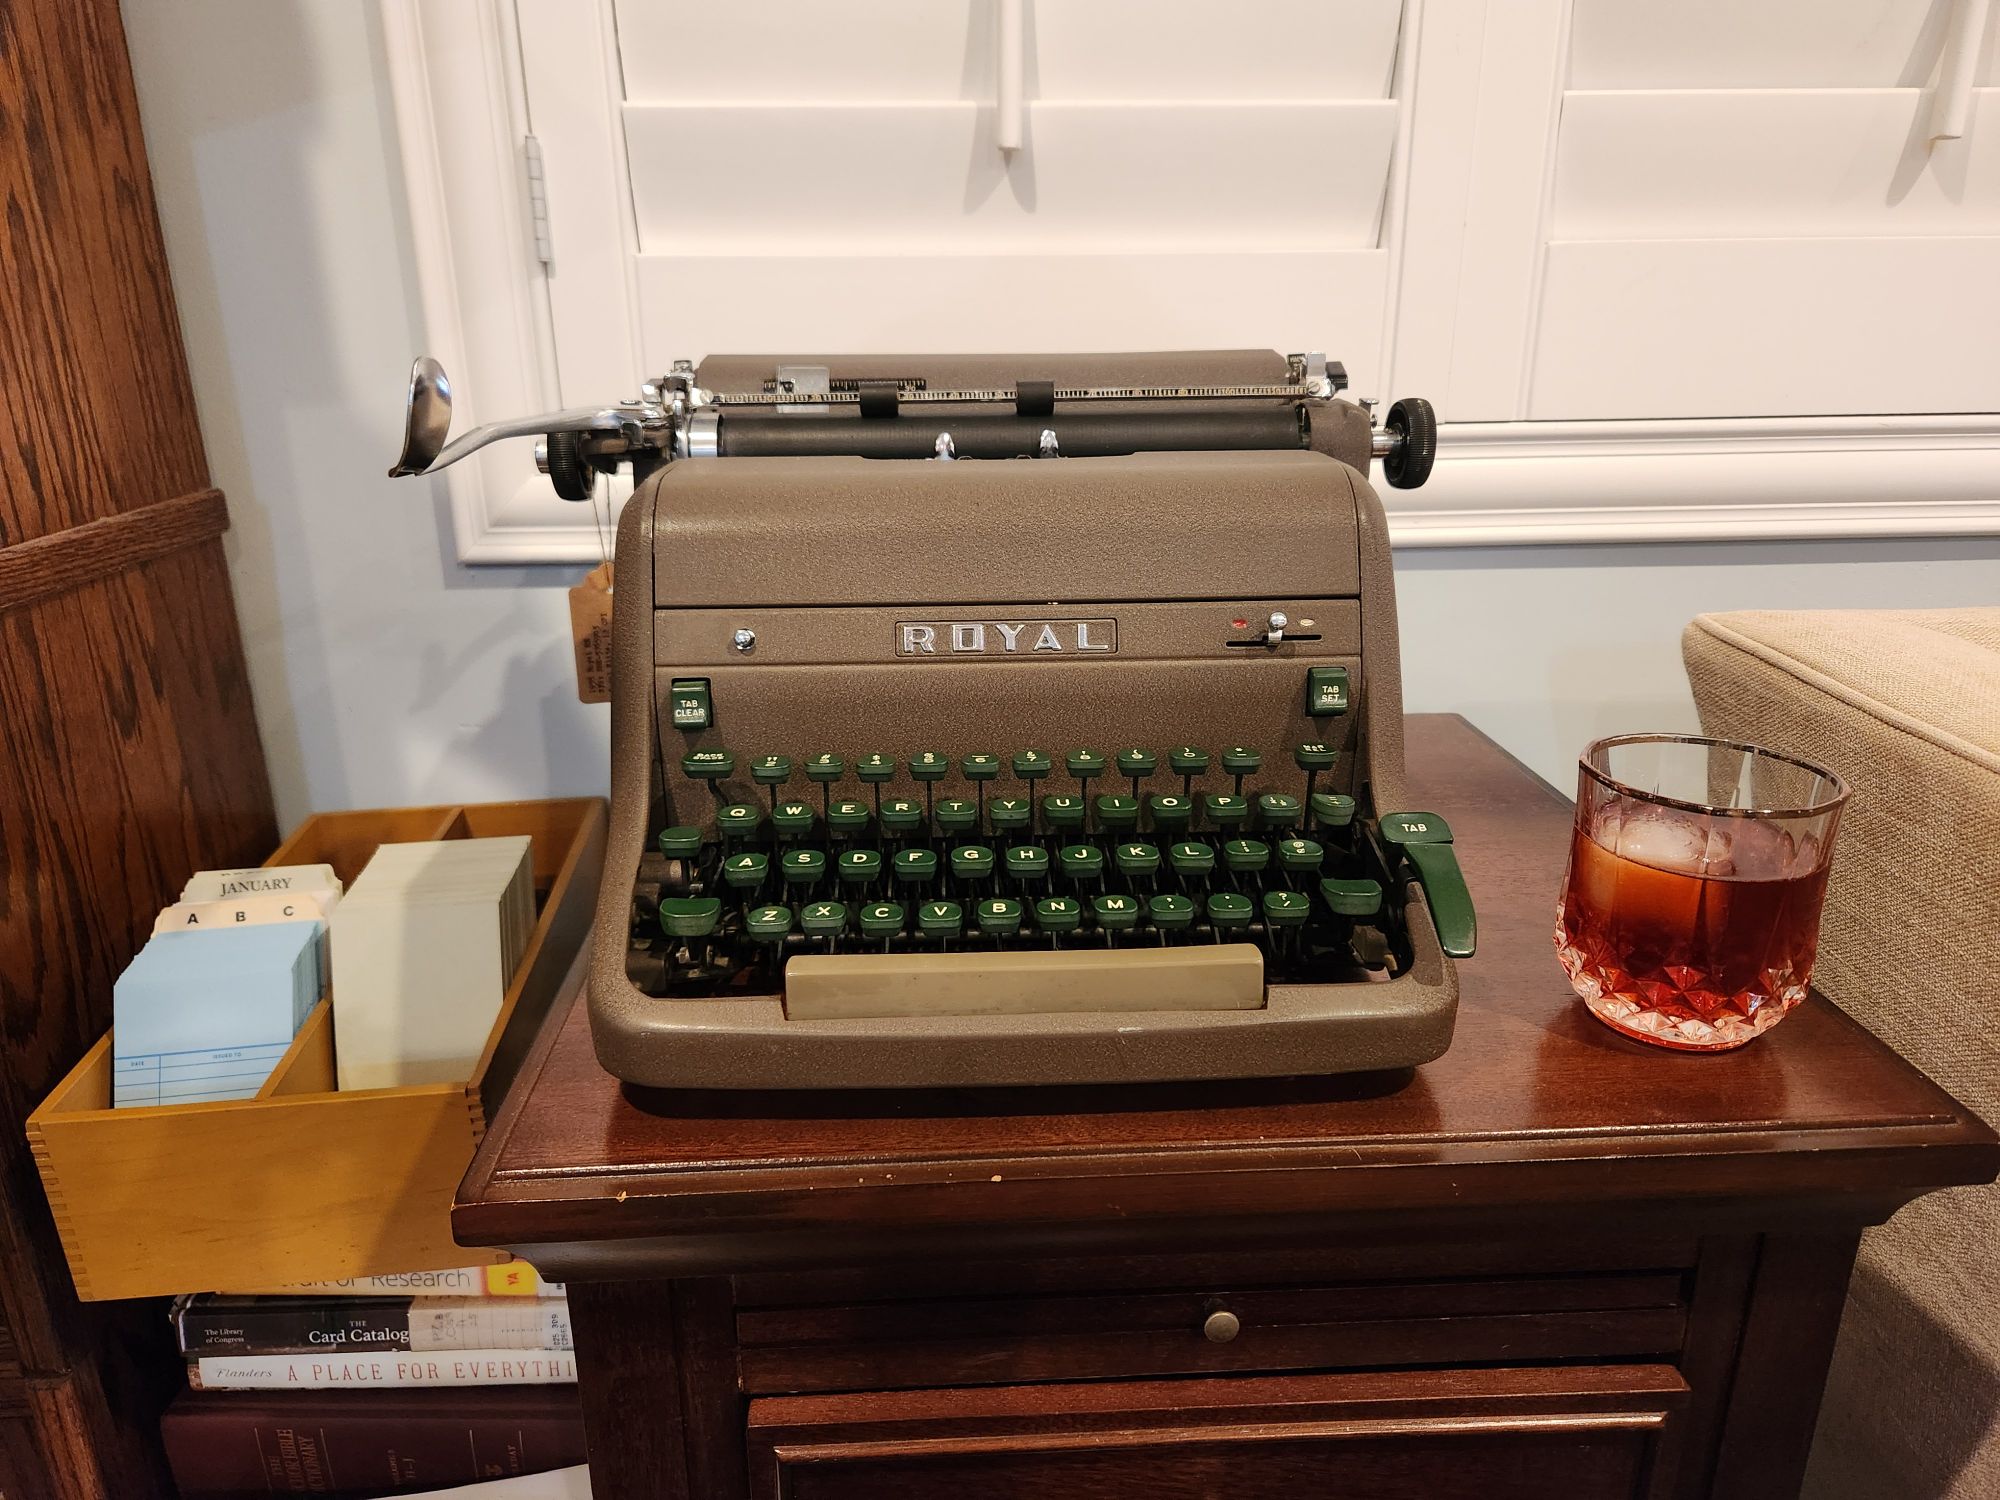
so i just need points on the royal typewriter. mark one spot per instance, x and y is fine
(1004, 721)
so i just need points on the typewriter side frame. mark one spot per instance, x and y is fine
(750, 1043)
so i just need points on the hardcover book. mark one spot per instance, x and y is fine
(210, 1323)
(254, 1372)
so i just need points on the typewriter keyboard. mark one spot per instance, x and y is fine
(1065, 850)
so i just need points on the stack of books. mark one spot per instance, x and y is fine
(375, 1386)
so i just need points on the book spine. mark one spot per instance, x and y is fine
(494, 1323)
(345, 1325)
(515, 1279)
(300, 1372)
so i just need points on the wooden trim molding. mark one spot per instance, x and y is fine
(65, 560)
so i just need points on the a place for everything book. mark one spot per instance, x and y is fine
(301, 1372)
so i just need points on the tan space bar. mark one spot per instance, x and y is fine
(849, 986)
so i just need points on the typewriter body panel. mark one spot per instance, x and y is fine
(891, 637)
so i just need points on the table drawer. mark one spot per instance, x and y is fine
(1222, 1326)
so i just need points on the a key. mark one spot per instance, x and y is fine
(847, 818)
(1229, 912)
(998, 917)
(940, 921)
(1240, 761)
(738, 820)
(1136, 861)
(972, 864)
(1313, 759)
(874, 769)
(900, 817)
(956, 815)
(1332, 810)
(929, 767)
(1300, 856)
(1170, 812)
(1081, 862)
(1224, 811)
(708, 765)
(690, 916)
(825, 768)
(1031, 765)
(916, 867)
(1115, 914)
(860, 868)
(1009, 814)
(1117, 814)
(745, 872)
(1170, 915)
(1191, 860)
(768, 924)
(792, 819)
(1326, 691)
(882, 919)
(823, 919)
(1062, 814)
(680, 842)
(979, 769)
(771, 770)
(1351, 898)
(1286, 909)
(1424, 839)
(1188, 762)
(1278, 810)
(803, 868)
(1028, 863)
(1137, 765)
(1084, 764)
(1057, 915)
(1246, 856)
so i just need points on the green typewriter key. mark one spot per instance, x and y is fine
(1031, 765)
(1300, 856)
(803, 868)
(1351, 898)
(823, 919)
(902, 817)
(1188, 762)
(860, 868)
(1137, 765)
(1115, 914)
(1062, 814)
(882, 919)
(1286, 909)
(1240, 761)
(738, 820)
(1313, 759)
(928, 765)
(708, 765)
(1191, 861)
(1278, 810)
(1246, 856)
(1028, 863)
(972, 864)
(916, 866)
(1057, 915)
(1229, 912)
(956, 815)
(940, 920)
(1137, 861)
(745, 872)
(825, 767)
(771, 770)
(980, 767)
(876, 767)
(1171, 812)
(1081, 862)
(1170, 915)
(998, 917)
(680, 842)
(690, 916)
(769, 924)
(1117, 814)
(1223, 810)
(792, 819)
(1332, 810)
(1009, 813)
(847, 817)
(1084, 764)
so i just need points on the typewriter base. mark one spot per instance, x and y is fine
(1551, 1263)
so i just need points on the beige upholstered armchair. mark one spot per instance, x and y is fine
(1906, 706)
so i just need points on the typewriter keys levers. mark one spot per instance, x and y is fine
(1005, 721)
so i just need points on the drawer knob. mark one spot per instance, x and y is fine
(1220, 1326)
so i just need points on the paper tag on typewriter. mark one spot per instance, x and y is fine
(590, 626)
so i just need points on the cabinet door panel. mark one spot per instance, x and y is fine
(1585, 1434)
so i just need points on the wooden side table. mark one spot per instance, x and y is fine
(1552, 1263)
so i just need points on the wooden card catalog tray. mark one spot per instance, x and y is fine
(302, 1183)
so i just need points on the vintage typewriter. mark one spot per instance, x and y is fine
(1002, 721)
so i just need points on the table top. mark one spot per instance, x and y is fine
(1536, 1109)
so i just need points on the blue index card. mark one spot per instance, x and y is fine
(201, 1016)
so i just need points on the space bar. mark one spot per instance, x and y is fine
(851, 986)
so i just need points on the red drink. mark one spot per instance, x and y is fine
(1686, 930)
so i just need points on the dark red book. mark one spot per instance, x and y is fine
(246, 1445)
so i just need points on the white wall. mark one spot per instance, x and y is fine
(386, 673)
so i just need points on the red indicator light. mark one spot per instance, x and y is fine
(1240, 624)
